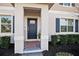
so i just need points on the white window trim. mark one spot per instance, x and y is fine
(74, 25)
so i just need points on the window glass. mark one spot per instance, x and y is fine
(67, 4)
(73, 4)
(61, 3)
(70, 28)
(5, 28)
(6, 19)
(70, 25)
(70, 22)
(63, 28)
(63, 23)
(5, 24)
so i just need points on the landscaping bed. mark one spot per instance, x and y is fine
(8, 51)
(72, 49)
(63, 45)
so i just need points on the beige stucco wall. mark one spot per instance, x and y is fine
(58, 7)
(51, 24)
(4, 10)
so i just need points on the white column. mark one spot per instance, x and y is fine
(19, 29)
(44, 29)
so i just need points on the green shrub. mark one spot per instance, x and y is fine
(69, 39)
(5, 42)
(0, 41)
(54, 39)
(65, 39)
(77, 39)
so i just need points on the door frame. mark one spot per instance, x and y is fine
(38, 26)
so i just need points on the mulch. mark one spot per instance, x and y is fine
(8, 51)
(70, 48)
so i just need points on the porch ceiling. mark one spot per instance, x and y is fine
(32, 11)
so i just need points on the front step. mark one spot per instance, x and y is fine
(33, 54)
(33, 51)
(32, 44)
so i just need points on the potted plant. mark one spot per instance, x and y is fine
(39, 35)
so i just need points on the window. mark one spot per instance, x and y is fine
(6, 24)
(65, 25)
(68, 4)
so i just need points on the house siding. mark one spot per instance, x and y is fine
(58, 7)
(59, 11)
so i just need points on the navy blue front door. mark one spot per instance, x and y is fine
(32, 28)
